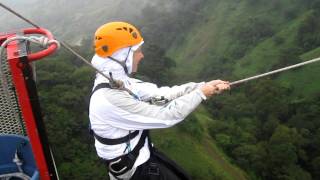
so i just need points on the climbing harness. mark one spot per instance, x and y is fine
(124, 163)
(106, 141)
(157, 166)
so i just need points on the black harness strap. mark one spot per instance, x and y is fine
(121, 140)
(100, 86)
(124, 163)
(107, 141)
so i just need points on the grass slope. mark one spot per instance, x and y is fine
(212, 37)
(199, 157)
(304, 80)
(267, 53)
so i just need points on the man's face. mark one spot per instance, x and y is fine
(137, 57)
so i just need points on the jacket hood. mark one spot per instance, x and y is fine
(106, 65)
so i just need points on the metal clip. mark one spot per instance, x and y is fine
(115, 171)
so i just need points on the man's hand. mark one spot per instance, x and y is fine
(216, 82)
(215, 87)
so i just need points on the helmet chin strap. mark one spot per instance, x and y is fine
(122, 63)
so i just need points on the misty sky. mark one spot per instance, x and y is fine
(75, 19)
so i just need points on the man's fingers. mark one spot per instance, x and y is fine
(215, 87)
(222, 87)
(215, 82)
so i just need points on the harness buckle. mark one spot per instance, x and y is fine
(117, 167)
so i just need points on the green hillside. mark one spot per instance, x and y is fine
(261, 125)
(192, 147)
(237, 39)
(266, 129)
(267, 54)
(304, 80)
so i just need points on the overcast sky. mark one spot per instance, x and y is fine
(74, 18)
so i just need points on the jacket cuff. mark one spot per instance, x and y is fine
(201, 94)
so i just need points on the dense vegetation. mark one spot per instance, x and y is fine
(270, 128)
(266, 133)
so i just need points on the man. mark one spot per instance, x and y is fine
(121, 117)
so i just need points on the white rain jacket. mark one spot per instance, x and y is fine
(113, 113)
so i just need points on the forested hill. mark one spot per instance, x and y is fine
(265, 129)
(269, 127)
(236, 39)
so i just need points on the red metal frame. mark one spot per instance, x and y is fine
(21, 87)
(5, 36)
(24, 101)
(41, 54)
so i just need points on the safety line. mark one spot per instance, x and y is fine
(65, 45)
(275, 71)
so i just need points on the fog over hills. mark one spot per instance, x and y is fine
(73, 20)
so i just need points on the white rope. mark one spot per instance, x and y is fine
(275, 71)
(43, 41)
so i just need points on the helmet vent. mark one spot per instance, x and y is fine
(98, 38)
(125, 28)
(105, 48)
(119, 29)
(130, 30)
(134, 35)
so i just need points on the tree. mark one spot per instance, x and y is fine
(283, 151)
(308, 34)
(269, 99)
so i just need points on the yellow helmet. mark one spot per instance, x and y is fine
(113, 36)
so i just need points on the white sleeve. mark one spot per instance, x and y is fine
(121, 110)
(146, 90)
